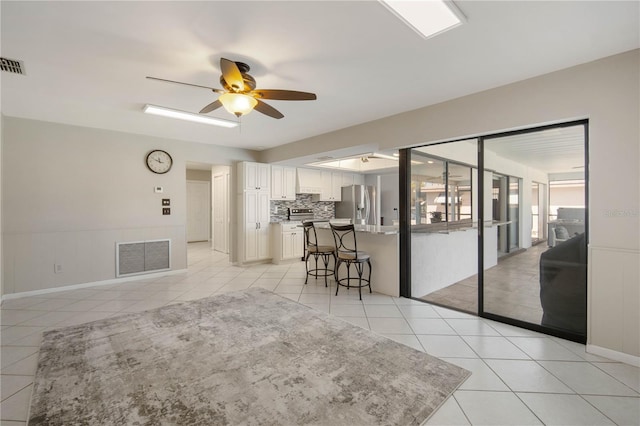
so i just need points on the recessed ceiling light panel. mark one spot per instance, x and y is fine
(427, 17)
(188, 116)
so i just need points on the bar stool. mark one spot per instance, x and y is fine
(347, 252)
(313, 248)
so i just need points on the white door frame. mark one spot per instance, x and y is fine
(220, 211)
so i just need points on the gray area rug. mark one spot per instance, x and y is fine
(250, 357)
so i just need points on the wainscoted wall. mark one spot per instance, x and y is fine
(71, 193)
(321, 209)
(613, 314)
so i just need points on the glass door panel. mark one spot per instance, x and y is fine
(444, 218)
(525, 283)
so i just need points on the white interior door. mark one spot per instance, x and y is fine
(198, 210)
(221, 213)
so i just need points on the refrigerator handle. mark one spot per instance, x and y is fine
(367, 206)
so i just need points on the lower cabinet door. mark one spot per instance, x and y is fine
(298, 244)
(264, 249)
(287, 245)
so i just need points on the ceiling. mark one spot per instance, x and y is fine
(86, 62)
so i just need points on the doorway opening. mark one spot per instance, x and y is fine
(208, 207)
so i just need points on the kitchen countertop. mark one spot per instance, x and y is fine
(369, 229)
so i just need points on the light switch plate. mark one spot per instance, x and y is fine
(158, 189)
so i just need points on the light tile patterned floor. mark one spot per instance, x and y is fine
(519, 376)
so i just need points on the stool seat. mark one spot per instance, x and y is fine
(359, 256)
(320, 249)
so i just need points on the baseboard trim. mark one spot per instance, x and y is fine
(614, 355)
(89, 284)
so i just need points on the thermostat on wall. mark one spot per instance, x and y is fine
(158, 189)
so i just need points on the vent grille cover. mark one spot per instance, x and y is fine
(142, 257)
(12, 65)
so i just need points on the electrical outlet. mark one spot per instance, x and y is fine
(166, 202)
(166, 211)
(57, 268)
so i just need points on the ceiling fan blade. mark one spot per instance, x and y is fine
(231, 74)
(213, 105)
(186, 84)
(284, 95)
(268, 110)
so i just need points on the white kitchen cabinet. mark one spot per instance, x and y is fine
(331, 187)
(288, 241)
(283, 183)
(352, 179)
(256, 226)
(254, 176)
(253, 211)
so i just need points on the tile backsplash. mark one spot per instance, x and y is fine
(321, 209)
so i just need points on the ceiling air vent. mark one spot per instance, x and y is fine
(12, 66)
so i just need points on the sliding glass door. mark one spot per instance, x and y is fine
(474, 211)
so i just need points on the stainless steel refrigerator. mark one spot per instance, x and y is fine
(359, 203)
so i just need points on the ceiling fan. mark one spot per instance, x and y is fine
(240, 95)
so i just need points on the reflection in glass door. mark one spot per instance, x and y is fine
(538, 212)
(514, 214)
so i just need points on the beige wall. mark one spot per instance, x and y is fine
(607, 92)
(70, 193)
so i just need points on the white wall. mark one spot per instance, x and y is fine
(70, 193)
(607, 92)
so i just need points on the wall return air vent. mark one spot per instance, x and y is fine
(12, 65)
(142, 257)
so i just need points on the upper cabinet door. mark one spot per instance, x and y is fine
(289, 183)
(264, 177)
(255, 176)
(277, 178)
(283, 183)
(336, 186)
(331, 187)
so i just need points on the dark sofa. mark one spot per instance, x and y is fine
(563, 286)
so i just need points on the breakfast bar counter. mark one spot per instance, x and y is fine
(382, 243)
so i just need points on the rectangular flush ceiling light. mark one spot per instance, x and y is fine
(183, 115)
(427, 17)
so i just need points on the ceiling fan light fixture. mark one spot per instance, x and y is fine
(188, 116)
(238, 103)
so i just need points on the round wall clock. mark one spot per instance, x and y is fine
(159, 161)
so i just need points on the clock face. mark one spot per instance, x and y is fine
(159, 161)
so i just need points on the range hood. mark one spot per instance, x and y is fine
(309, 181)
